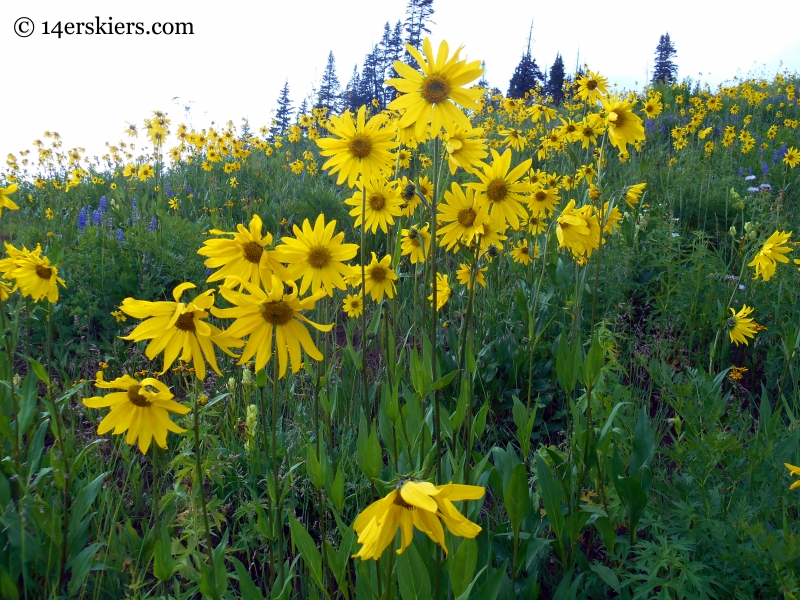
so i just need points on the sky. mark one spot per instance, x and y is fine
(87, 87)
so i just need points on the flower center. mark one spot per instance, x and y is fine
(435, 89)
(319, 257)
(497, 190)
(377, 202)
(277, 313)
(136, 398)
(44, 272)
(541, 196)
(252, 252)
(524, 250)
(360, 146)
(617, 119)
(186, 322)
(563, 225)
(466, 217)
(398, 501)
(591, 85)
(378, 273)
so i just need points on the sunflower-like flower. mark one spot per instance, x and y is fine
(5, 290)
(771, 253)
(493, 233)
(522, 254)
(503, 189)
(443, 291)
(5, 201)
(428, 98)
(245, 256)
(578, 229)
(793, 471)
(32, 273)
(624, 125)
(464, 214)
(383, 203)
(380, 278)
(464, 279)
(175, 328)
(634, 194)
(543, 201)
(142, 409)
(353, 305)
(592, 87)
(316, 255)
(359, 147)
(791, 158)
(613, 218)
(741, 326)
(536, 225)
(414, 504)
(465, 148)
(259, 313)
(415, 243)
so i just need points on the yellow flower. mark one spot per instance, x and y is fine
(428, 98)
(5, 290)
(613, 218)
(32, 273)
(634, 194)
(578, 230)
(259, 313)
(380, 278)
(415, 243)
(502, 189)
(543, 201)
(5, 201)
(353, 305)
(383, 203)
(521, 253)
(770, 254)
(741, 327)
(173, 204)
(591, 87)
(179, 329)
(793, 471)
(465, 148)
(414, 504)
(791, 158)
(359, 148)
(244, 256)
(624, 126)
(443, 291)
(465, 215)
(316, 255)
(463, 276)
(119, 316)
(142, 409)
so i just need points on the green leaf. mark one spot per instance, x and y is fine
(163, 563)
(40, 371)
(28, 395)
(606, 529)
(479, 424)
(551, 496)
(491, 587)
(465, 594)
(313, 467)
(412, 576)
(606, 574)
(444, 381)
(8, 589)
(336, 493)
(568, 364)
(457, 418)
(516, 497)
(311, 554)
(593, 365)
(343, 555)
(462, 566)
(644, 443)
(86, 497)
(247, 588)
(81, 564)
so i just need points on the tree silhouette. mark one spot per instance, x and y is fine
(283, 116)
(527, 75)
(665, 70)
(329, 91)
(555, 83)
(418, 16)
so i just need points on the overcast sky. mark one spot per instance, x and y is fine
(87, 86)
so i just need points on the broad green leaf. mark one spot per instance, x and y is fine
(163, 563)
(412, 576)
(247, 588)
(551, 496)
(516, 497)
(313, 467)
(444, 381)
(462, 566)
(311, 554)
(606, 574)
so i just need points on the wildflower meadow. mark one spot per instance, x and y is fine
(450, 345)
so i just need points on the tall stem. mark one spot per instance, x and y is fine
(434, 324)
(277, 508)
(199, 482)
(363, 296)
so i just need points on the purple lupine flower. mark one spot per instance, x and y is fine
(153, 224)
(103, 205)
(83, 218)
(188, 189)
(134, 211)
(775, 156)
(764, 169)
(784, 150)
(120, 235)
(739, 171)
(167, 190)
(97, 217)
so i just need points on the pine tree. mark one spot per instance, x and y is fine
(329, 91)
(526, 77)
(418, 16)
(555, 83)
(303, 110)
(283, 117)
(665, 70)
(371, 87)
(393, 52)
(351, 98)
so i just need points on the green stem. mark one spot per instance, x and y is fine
(277, 511)
(199, 482)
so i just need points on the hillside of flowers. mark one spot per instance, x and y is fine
(469, 347)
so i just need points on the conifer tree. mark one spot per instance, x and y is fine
(526, 76)
(329, 90)
(303, 110)
(351, 98)
(665, 70)
(283, 116)
(555, 83)
(418, 16)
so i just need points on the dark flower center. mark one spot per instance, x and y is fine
(44, 272)
(277, 313)
(319, 257)
(497, 190)
(360, 146)
(136, 398)
(435, 89)
(252, 251)
(377, 202)
(466, 217)
(186, 322)
(398, 501)
(378, 273)
(591, 85)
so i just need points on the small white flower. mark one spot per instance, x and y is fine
(750, 178)
(676, 235)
